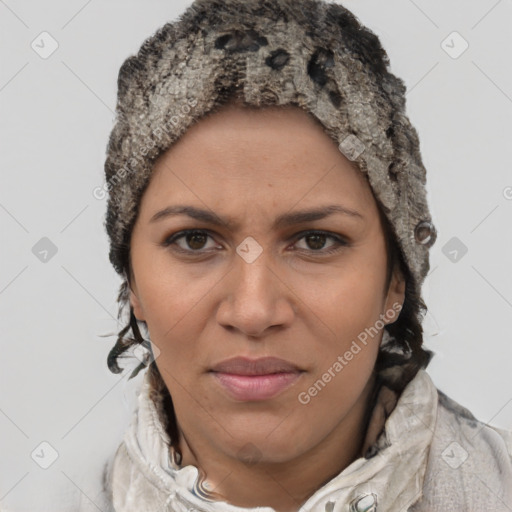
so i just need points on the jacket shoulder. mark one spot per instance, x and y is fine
(469, 463)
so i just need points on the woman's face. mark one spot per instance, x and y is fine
(278, 281)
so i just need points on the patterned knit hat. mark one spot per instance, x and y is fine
(308, 53)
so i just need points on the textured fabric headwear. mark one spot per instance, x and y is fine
(308, 53)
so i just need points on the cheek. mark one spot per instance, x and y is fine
(348, 300)
(171, 308)
(345, 323)
(332, 393)
(176, 300)
(169, 291)
(351, 345)
(347, 342)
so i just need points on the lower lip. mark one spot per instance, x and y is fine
(256, 387)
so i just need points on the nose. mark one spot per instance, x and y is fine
(256, 298)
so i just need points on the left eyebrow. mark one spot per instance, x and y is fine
(286, 219)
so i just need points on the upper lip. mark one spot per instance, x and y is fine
(262, 366)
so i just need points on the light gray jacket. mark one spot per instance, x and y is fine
(433, 456)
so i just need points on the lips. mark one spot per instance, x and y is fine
(255, 379)
(250, 367)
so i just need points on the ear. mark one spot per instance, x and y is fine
(135, 303)
(395, 296)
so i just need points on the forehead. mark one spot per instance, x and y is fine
(244, 155)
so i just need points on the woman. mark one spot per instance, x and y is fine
(268, 215)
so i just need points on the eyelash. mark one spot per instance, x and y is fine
(303, 234)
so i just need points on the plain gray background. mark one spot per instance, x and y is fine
(56, 115)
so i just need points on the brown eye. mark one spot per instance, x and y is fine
(194, 241)
(316, 240)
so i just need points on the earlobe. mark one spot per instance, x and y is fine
(396, 293)
(135, 303)
(400, 287)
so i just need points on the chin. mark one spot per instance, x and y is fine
(260, 449)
